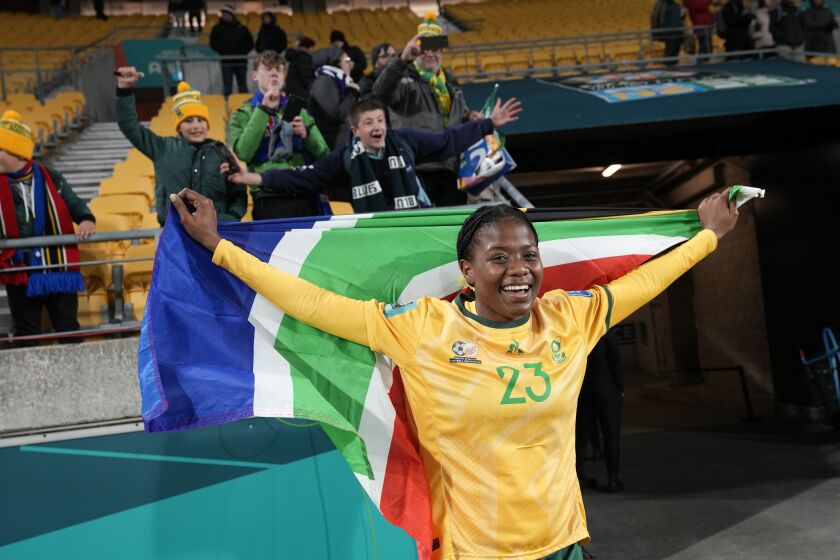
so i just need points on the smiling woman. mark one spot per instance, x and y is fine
(496, 373)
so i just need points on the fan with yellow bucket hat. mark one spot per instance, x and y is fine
(188, 158)
(36, 201)
(421, 93)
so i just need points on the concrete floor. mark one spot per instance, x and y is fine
(700, 483)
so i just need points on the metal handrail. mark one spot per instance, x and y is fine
(70, 239)
(611, 64)
(566, 40)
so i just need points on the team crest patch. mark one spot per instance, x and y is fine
(581, 293)
(464, 352)
(557, 355)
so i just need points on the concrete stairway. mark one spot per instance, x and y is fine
(89, 158)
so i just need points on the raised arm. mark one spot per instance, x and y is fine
(368, 323)
(149, 143)
(452, 141)
(605, 306)
(313, 179)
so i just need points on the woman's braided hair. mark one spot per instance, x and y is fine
(485, 216)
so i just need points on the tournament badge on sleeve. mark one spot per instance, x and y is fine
(486, 160)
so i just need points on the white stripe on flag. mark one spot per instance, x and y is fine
(273, 390)
(376, 426)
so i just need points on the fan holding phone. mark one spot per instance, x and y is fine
(421, 93)
(272, 130)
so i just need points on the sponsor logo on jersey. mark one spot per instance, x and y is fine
(514, 348)
(368, 189)
(464, 352)
(392, 309)
(557, 355)
(581, 293)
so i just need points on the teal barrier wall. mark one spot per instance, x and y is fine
(259, 488)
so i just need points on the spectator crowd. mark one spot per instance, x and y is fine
(787, 27)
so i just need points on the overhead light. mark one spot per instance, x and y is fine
(611, 170)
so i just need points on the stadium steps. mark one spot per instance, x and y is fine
(90, 158)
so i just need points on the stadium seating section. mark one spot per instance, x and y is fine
(52, 50)
(126, 199)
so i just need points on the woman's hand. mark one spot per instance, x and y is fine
(198, 216)
(507, 113)
(718, 214)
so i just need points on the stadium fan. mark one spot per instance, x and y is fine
(380, 56)
(271, 36)
(497, 439)
(36, 201)
(266, 135)
(788, 31)
(420, 93)
(338, 40)
(819, 28)
(228, 38)
(189, 158)
(332, 95)
(377, 167)
(301, 71)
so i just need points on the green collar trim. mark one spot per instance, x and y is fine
(461, 298)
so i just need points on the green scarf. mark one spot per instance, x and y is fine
(438, 83)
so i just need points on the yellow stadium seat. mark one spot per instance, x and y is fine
(133, 206)
(134, 167)
(128, 184)
(139, 273)
(93, 309)
(338, 207)
(98, 276)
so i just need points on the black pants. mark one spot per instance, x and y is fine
(600, 399)
(442, 188)
(26, 312)
(241, 73)
(672, 49)
(704, 40)
(196, 17)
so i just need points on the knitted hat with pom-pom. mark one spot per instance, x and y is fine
(15, 137)
(429, 27)
(187, 103)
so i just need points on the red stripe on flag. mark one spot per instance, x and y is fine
(582, 275)
(405, 498)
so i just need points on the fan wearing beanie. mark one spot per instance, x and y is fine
(421, 93)
(188, 159)
(36, 201)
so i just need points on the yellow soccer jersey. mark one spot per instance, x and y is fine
(493, 404)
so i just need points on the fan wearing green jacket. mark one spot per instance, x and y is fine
(264, 140)
(188, 158)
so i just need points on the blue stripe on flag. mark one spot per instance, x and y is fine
(207, 328)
